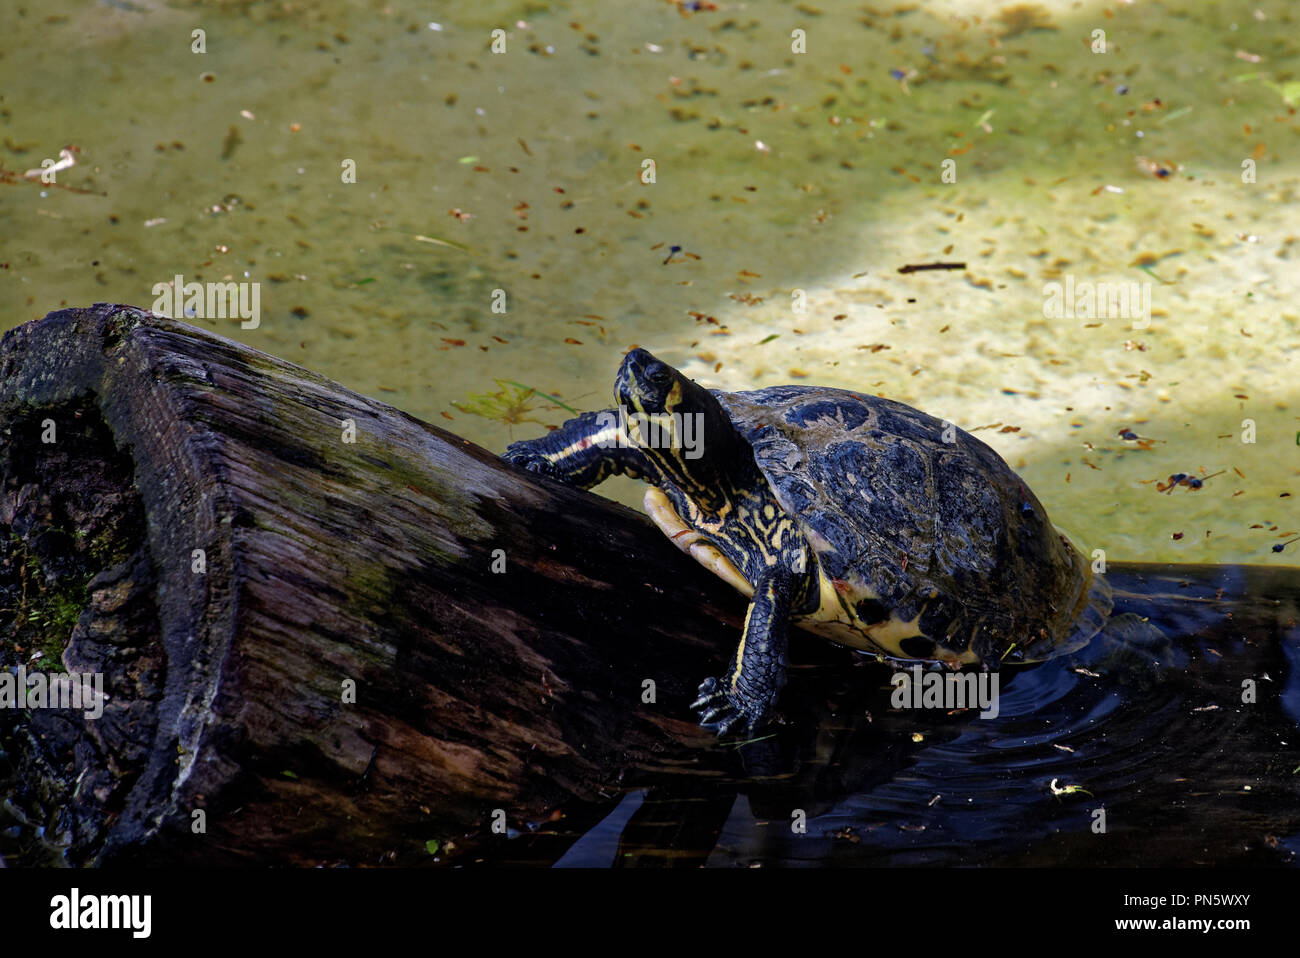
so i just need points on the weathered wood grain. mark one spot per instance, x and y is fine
(331, 564)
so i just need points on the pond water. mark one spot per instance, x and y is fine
(802, 154)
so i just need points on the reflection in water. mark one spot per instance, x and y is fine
(1145, 748)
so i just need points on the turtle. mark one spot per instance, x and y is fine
(855, 517)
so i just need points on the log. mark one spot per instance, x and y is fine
(333, 630)
(332, 634)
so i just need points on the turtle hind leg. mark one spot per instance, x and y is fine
(583, 452)
(746, 695)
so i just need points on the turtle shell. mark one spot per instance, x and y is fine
(928, 545)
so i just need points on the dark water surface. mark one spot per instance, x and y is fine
(1151, 725)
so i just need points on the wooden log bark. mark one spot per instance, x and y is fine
(254, 545)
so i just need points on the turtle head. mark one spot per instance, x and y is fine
(679, 425)
(650, 386)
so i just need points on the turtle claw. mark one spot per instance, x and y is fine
(719, 721)
(719, 712)
(708, 693)
(710, 718)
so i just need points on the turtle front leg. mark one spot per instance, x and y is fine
(584, 452)
(746, 695)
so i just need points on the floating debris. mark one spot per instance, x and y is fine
(511, 403)
(919, 267)
(439, 241)
(1185, 480)
(1068, 789)
(1155, 168)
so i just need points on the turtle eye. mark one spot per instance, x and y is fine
(659, 374)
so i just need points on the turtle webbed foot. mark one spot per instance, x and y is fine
(722, 711)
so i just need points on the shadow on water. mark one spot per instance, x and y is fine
(1166, 742)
